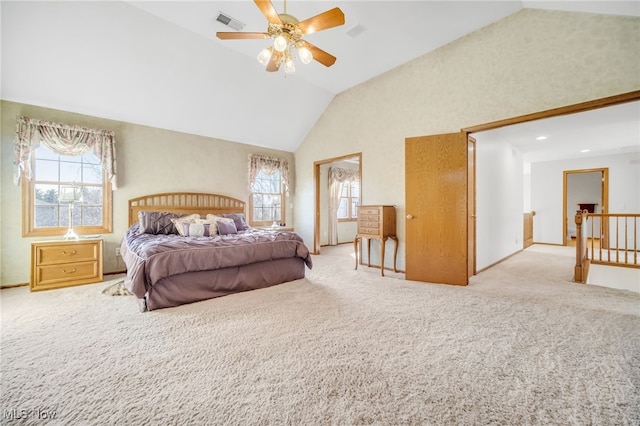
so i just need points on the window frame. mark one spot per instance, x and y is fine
(28, 209)
(283, 198)
(350, 199)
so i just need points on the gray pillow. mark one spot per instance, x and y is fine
(157, 222)
(225, 228)
(238, 219)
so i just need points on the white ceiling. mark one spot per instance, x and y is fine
(158, 63)
(394, 31)
(606, 131)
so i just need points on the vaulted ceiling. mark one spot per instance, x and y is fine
(160, 64)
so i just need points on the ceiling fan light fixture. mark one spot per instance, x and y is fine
(305, 55)
(280, 43)
(286, 32)
(265, 55)
(289, 66)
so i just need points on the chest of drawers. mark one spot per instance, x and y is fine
(56, 264)
(377, 222)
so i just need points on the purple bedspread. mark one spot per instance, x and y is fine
(150, 258)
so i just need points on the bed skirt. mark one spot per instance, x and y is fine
(202, 285)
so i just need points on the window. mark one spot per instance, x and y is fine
(268, 187)
(45, 215)
(349, 199)
(266, 199)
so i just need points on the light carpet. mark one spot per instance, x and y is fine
(521, 345)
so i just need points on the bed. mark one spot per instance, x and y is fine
(166, 269)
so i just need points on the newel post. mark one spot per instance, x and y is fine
(579, 274)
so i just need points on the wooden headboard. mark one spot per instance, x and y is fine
(184, 203)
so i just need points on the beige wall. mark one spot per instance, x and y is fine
(150, 160)
(531, 61)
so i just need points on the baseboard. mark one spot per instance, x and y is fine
(13, 285)
(27, 284)
(499, 261)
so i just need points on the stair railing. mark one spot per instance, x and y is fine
(606, 239)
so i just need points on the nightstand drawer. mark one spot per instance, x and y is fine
(51, 274)
(50, 255)
(56, 264)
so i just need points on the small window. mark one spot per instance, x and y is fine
(349, 200)
(266, 200)
(46, 215)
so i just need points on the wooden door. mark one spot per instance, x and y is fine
(527, 234)
(471, 205)
(437, 213)
(604, 203)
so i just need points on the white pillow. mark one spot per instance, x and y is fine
(181, 221)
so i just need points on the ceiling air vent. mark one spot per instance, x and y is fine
(229, 21)
(355, 31)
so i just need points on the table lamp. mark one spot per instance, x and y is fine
(70, 194)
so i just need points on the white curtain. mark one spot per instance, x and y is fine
(63, 139)
(337, 176)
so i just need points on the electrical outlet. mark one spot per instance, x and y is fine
(117, 251)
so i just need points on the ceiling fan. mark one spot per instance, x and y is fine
(287, 33)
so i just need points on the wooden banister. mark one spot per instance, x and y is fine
(606, 239)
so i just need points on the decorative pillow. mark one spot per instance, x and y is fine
(197, 229)
(238, 218)
(225, 228)
(180, 221)
(215, 217)
(157, 222)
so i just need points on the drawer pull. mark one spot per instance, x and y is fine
(64, 252)
(70, 271)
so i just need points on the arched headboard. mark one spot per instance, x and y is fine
(184, 203)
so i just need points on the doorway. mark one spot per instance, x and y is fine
(584, 189)
(321, 197)
(462, 232)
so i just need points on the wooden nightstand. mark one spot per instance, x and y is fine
(57, 264)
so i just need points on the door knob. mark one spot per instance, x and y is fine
(409, 216)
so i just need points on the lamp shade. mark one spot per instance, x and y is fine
(305, 55)
(70, 194)
(265, 55)
(280, 43)
(289, 66)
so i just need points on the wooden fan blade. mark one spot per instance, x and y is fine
(238, 36)
(268, 11)
(274, 62)
(319, 55)
(329, 19)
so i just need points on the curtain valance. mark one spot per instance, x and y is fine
(63, 139)
(337, 174)
(268, 166)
